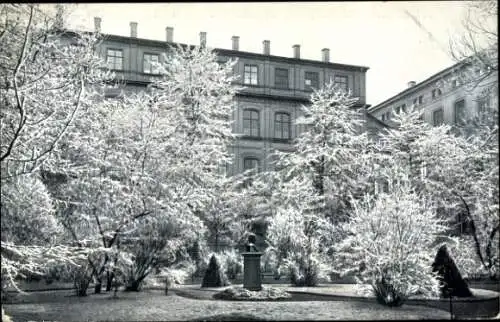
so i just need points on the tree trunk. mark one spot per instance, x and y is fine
(109, 281)
(98, 287)
(81, 285)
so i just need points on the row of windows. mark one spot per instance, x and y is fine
(114, 61)
(459, 112)
(416, 102)
(281, 78)
(251, 124)
(459, 109)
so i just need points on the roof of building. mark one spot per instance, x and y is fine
(416, 87)
(239, 53)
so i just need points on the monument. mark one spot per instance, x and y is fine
(251, 266)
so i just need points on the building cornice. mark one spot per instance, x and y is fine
(235, 53)
(417, 87)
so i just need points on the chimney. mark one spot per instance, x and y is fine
(236, 42)
(267, 47)
(203, 39)
(411, 84)
(97, 24)
(170, 34)
(296, 51)
(325, 55)
(133, 29)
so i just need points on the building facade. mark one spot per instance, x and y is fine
(275, 88)
(445, 97)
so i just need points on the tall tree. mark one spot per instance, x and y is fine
(153, 155)
(330, 154)
(48, 80)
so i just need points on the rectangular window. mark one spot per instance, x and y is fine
(420, 100)
(281, 77)
(114, 59)
(250, 75)
(282, 126)
(341, 82)
(438, 117)
(311, 80)
(403, 108)
(150, 62)
(415, 100)
(459, 112)
(433, 93)
(382, 117)
(398, 109)
(251, 120)
(483, 104)
(454, 83)
(251, 163)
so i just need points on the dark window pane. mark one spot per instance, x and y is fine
(281, 78)
(459, 112)
(251, 122)
(282, 125)
(341, 82)
(437, 117)
(311, 80)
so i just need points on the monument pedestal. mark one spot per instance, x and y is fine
(251, 271)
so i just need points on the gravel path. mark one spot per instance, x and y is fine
(152, 305)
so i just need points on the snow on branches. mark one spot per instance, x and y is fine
(330, 154)
(391, 241)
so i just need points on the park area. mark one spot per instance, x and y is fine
(153, 305)
(129, 203)
(190, 302)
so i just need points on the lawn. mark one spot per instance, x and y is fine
(153, 305)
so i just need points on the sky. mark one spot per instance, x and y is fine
(384, 36)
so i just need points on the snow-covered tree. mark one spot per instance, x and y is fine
(458, 171)
(48, 80)
(430, 156)
(391, 243)
(477, 186)
(475, 45)
(159, 242)
(196, 92)
(155, 154)
(223, 214)
(330, 154)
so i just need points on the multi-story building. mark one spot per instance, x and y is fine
(449, 97)
(445, 97)
(274, 88)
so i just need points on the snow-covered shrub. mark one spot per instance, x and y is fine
(240, 293)
(269, 263)
(463, 252)
(391, 245)
(295, 238)
(232, 262)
